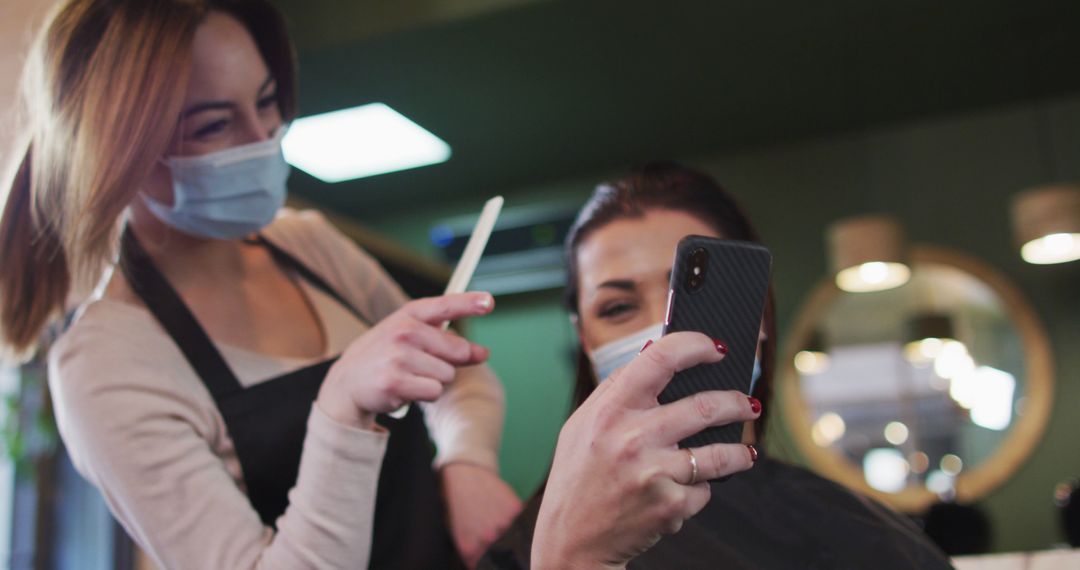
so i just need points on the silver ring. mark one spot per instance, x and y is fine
(693, 467)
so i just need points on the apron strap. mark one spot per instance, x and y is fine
(175, 317)
(286, 259)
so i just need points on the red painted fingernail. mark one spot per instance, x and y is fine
(753, 452)
(755, 404)
(721, 346)
(647, 343)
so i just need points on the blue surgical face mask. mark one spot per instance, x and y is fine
(617, 353)
(226, 194)
(757, 374)
(620, 352)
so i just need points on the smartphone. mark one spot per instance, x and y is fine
(718, 287)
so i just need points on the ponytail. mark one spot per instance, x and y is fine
(34, 278)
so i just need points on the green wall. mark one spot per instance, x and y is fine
(949, 180)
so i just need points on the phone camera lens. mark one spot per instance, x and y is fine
(699, 262)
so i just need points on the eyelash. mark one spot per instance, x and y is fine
(219, 125)
(615, 309)
(212, 128)
(267, 101)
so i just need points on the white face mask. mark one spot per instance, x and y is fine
(609, 357)
(757, 374)
(226, 194)
(620, 352)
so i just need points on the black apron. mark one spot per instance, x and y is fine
(268, 422)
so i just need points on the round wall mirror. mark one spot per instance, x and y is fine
(940, 387)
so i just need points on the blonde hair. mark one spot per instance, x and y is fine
(103, 89)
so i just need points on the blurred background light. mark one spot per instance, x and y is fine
(360, 141)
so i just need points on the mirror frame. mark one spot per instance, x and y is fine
(1019, 442)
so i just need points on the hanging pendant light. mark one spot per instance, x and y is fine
(1046, 222)
(927, 336)
(868, 253)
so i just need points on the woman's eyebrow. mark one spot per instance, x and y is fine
(266, 83)
(207, 106)
(620, 284)
(220, 105)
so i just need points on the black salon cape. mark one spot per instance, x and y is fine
(774, 516)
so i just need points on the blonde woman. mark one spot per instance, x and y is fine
(227, 386)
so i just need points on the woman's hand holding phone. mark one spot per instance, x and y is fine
(406, 357)
(619, 481)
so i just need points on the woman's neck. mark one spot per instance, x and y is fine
(182, 257)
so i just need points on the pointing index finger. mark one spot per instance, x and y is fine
(435, 310)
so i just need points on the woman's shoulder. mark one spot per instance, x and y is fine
(797, 488)
(113, 345)
(115, 376)
(108, 323)
(776, 470)
(311, 237)
(293, 223)
(825, 521)
(304, 232)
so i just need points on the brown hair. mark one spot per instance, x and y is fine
(103, 90)
(664, 186)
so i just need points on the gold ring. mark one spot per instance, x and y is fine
(693, 467)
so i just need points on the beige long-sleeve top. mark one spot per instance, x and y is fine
(141, 426)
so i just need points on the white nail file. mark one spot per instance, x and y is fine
(459, 280)
(470, 257)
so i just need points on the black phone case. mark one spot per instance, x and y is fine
(727, 306)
